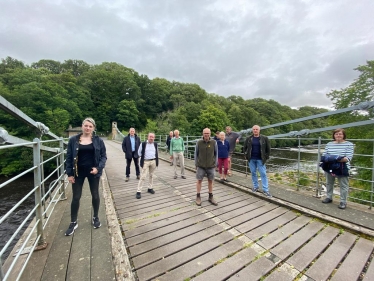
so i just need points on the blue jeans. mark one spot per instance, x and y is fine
(255, 165)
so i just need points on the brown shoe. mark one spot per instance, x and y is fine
(198, 200)
(212, 201)
(138, 177)
(127, 179)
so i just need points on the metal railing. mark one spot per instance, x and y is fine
(45, 201)
(298, 167)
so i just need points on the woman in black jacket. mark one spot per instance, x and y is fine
(86, 158)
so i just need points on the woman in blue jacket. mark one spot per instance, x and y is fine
(223, 156)
(86, 158)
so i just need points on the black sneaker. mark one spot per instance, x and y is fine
(138, 195)
(96, 222)
(254, 189)
(342, 205)
(151, 191)
(267, 194)
(73, 226)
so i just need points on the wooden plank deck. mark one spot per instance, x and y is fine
(165, 236)
(245, 237)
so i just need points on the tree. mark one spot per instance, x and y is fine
(127, 116)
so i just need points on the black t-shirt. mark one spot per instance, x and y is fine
(86, 155)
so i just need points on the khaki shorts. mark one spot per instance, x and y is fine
(209, 172)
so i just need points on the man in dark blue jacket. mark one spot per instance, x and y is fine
(130, 146)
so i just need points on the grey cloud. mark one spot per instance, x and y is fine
(291, 51)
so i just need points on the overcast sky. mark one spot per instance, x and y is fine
(291, 51)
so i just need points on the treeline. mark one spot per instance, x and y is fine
(60, 94)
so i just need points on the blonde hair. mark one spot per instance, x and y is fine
(89, 119)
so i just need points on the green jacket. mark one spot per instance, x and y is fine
(176, 145)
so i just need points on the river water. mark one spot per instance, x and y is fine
(9, 196)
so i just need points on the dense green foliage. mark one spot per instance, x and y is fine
(62, 94)
(58, 94)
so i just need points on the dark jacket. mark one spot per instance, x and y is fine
(126, 146)
(168, 141)
(223, 149)
(144, 146)
(72, 152)
(265, 148)
(330, 164)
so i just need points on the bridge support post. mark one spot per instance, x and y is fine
(38, 195)
(318, 187)
(62, 170)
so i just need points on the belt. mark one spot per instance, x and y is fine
(149, 159)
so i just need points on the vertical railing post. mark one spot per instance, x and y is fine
(1, 269)
(42, 179)
(187, 153)
(38, 193)
(298, 165)
(62, 169)
(318, 188)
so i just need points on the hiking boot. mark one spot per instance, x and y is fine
(212, 201)
(151, 191)
(198, 200)
(342, 205)
(138, 195)
(73, 226)
(96, 222)
(127, 179)
(267, 194)
(327, 200)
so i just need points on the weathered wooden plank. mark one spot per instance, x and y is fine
(284, 249)
(174, 247)
(170, 237)
(165, 230)
(262, 219)
(152, 214)
(369, 274)
(353, 265)
(277, 236)
(224, 270)
(283, 273)
(79, 267)
(249, 212)
(254, 271)
(164, 216)
(306, 254)
(203, 262)
(157, 268)
(234, 205)
(326, 263)
(270, 226)
(161, 223)
(58, 258)
(146, 209)
(38, 260)
(101, 252)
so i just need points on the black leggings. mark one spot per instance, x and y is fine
(77, 192)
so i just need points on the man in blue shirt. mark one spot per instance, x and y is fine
(130, 146)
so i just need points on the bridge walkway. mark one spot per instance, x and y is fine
(245, 237)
